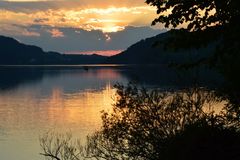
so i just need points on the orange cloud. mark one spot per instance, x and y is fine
(108, 19)
(55, 33)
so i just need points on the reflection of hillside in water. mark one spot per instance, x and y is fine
(171, 78)
(70, 78)
(30, 111)
(67, 78)
(12, 77)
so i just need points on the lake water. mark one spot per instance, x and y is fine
(34, 100)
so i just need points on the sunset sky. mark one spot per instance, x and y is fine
(97, 25)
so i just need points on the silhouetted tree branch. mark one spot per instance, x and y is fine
(207, 22)
(143, 122)
(152, 124)
(197, 14)
(60, 147)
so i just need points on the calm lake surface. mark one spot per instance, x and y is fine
(34, 100)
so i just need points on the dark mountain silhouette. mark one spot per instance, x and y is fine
(154, 50)
(13, 52)
(148, 51)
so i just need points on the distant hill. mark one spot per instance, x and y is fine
(148, 51)
(153, 51)
(13, 52)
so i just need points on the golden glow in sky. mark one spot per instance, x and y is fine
(104, 15)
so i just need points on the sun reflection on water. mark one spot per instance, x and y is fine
(81, 108)
(23, 120)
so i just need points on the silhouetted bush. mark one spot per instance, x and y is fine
(201, 141)
(151, 124)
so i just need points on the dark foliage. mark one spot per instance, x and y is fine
(150, 125)
(153, 125)
(208, 22)
(199, 14)
(203, 141)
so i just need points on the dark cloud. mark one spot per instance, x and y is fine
(40, 20)
(81, 40)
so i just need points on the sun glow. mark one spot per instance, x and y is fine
(109, 19)
(103, 53)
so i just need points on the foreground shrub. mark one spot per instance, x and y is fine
(151, 124)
